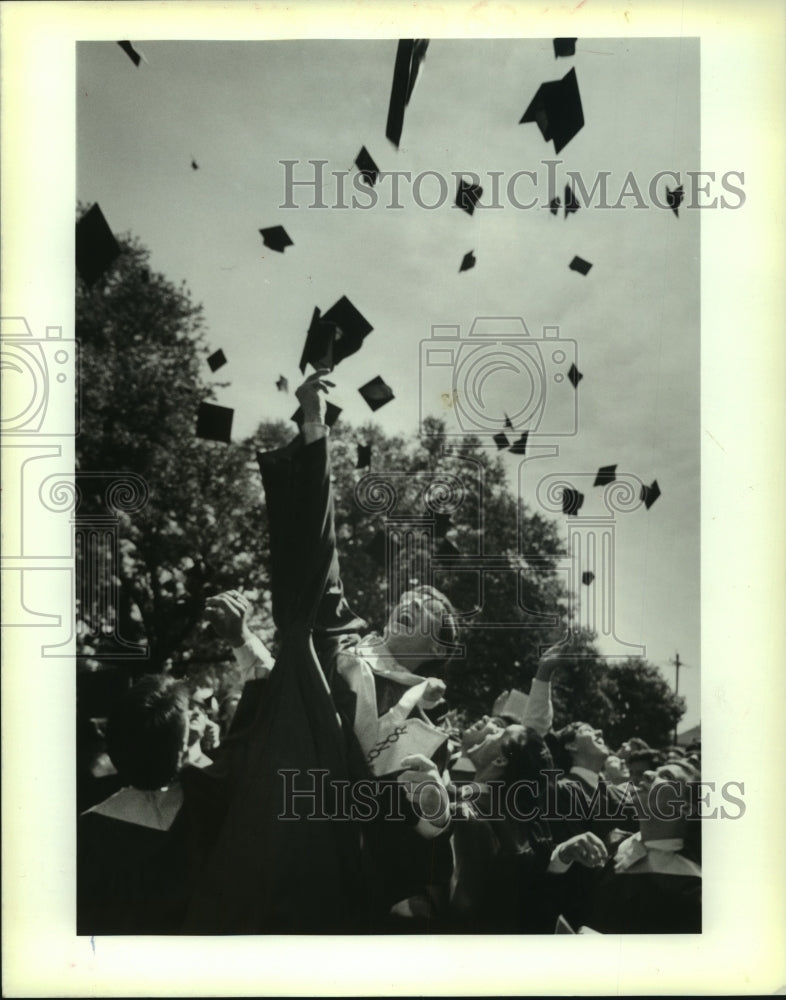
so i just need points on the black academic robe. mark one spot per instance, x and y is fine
(645, 903)
(259, 873)
(580, 808)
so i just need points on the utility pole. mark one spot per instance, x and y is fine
(676, 663)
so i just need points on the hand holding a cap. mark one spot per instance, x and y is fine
(586, 848)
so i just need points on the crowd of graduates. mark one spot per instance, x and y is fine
(332, 791)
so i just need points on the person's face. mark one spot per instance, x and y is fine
(414, 624)
(197, 721)
(484, 728)
(616, 770)
(665, 791)
(489, 749)
(589, 742)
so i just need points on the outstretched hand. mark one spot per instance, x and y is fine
(311, 396)
(425, 789)
(227, 614)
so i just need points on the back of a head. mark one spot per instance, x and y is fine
(147, 730)
(527, 754)
(558, 744)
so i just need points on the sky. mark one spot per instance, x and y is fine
(241, 108)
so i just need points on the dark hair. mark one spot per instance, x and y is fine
(146, 732)
(650, 758)
(558, 744)
(526, 753)
(636, 743)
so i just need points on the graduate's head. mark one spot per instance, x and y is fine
(421, 631)
(147, 732)
(580, 745)
(665, 794)
(615, 770)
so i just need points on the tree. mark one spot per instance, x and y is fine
(142, 358)
(644, 704)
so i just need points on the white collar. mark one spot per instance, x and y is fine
(591, 777)
(385, 664)
(155, 810)
(660, 856)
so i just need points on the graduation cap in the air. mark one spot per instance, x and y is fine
(554, 205)
(564, 47)
(556, 108)
(331, 414)
(282, 384)
(574, 375)
(364, 456)
(334, 336)
(649, 494)
(409, 55)
(194, 165)
(571, 501)
(352, 326)
(606, 474)
(468, 262)
(501, 441)
(216, 360)
(276, 238)
(376, 392)
(571, 205)
(318, 348)
(369, 171)
(131, 52)
(520, 447)
(674, 199)
(580, 265)
(468, 195)
(96, 247)
(214, 423)
(508, 422)
(587, 578)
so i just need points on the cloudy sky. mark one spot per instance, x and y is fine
(240, 108)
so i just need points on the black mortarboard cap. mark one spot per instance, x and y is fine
(468, 195)
(318, 348)
(520, 447)
(571, 501)
(369, 171)
(580, 265)
(376, 393)
(409, 55)
(649, 494)
(606, 474)
(501, 441)
(468, 262)
(364, 456)
(194, 165)
(574, 375)
(282, 384)
(352, 326)
(556, 107)
(214, 423)
(674, 199)
(331, 414)
(554, 205)
(571, 205)
(276, 238)
(587, 578)
(564, 47)
(508, 422)
(131, 52)
(96, 247)
(216, 360)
